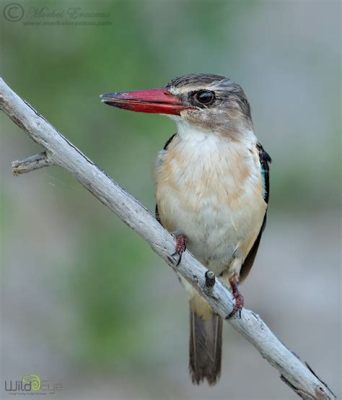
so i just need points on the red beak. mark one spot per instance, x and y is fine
(157, 101)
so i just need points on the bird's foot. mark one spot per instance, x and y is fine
(180, 248)
(239, 300)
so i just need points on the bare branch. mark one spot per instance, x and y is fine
(61, 152)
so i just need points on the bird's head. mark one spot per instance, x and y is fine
(204, 102)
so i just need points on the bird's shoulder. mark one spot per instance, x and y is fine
(265, 161)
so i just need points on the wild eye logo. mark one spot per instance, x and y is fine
(33, 380)
(31, 384)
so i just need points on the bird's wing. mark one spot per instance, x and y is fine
(169, 140)
(265, 160)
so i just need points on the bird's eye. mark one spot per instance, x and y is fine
(205, 97)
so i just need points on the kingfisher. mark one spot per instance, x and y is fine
(212, 190)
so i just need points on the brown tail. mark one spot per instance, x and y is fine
(205, 344)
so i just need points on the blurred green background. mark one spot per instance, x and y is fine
(85, 302)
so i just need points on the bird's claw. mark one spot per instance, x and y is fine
(239, 300)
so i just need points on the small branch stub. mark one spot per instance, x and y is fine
(209, 279)
(31, 163)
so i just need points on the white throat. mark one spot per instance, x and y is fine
(194, 134)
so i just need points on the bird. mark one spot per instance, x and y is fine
(212, 192)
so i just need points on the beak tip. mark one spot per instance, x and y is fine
(103, 98)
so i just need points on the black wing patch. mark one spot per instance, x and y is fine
(169, 140)
(265, 159)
